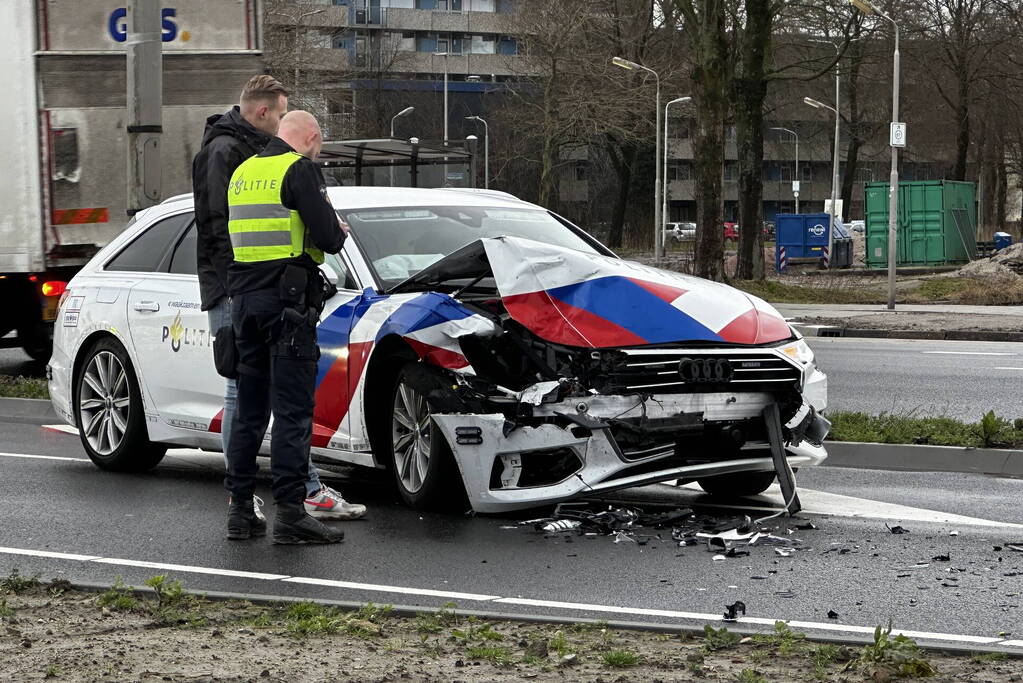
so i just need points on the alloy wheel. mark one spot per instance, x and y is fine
(104, 403)
(411, 439)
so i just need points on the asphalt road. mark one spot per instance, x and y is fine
(905, 376)
(62, 517)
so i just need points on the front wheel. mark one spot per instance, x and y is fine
(737, 484)
(424, 468)
(108, 406)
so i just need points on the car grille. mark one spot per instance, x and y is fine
(656, 371)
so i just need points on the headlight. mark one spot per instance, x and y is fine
(800, 351)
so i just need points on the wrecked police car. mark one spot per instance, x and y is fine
(477, 344)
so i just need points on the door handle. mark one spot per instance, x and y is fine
(150, 306)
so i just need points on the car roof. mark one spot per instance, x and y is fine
(363, 197)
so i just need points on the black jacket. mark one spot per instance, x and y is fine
(228, 141)
(303, 190)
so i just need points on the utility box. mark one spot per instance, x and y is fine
(1002, 240)
(800, 238)
(935, 225)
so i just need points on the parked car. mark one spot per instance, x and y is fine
(857, 226)
(478, 346)
(731, 231)
(681, 232)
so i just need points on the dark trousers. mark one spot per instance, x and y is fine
(277, 374)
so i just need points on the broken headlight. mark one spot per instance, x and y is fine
(799, 351)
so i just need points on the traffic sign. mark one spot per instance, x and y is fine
(795, 187)
(898, 135)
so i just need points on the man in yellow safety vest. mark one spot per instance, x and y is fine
(280, 223)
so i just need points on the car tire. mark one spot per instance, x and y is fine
(36, 342)
(417, 453)
(109, 414)
(737, 484)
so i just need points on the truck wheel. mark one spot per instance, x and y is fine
(108, 409)
(424, 468)
(737, 484)
(36, 342)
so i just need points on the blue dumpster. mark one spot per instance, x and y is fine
(1002, 240)
(800, 238)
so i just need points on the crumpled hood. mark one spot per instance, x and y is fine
(577, 299)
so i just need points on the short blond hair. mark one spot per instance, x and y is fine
(263, 89)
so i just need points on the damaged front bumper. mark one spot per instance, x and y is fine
(506, 466)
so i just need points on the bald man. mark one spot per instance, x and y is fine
(280, 224)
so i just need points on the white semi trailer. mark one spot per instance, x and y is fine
(63, 184)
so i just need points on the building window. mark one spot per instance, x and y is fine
(731, 170)
(507, 45)
(680, 170)
(581, 170)
(806, 171)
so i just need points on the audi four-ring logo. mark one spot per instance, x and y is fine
(705, 370)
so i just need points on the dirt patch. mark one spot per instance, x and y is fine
(61, 634)
(933, 322)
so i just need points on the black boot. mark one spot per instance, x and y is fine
(293, 526)
(242, 521)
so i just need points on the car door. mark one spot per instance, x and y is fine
(335, 369)
(171, 334)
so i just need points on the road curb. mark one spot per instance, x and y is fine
(655, 627)
(28, 410)
(912, 458)
(808, 330)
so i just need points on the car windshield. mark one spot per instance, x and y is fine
(400, 242)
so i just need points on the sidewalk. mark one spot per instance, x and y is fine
(908, 321)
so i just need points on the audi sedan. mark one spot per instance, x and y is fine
(479, 347)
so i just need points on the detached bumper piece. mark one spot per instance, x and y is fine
(505, 466)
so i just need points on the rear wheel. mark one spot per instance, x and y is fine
(108, 406)
(737, 483)
(420, 458)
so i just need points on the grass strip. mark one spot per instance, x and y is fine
(23, 387)
(991, 431)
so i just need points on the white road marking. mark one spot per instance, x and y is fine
(837, 505)
(189, 568)
(391, 589)
(968, 353)
(42, 457)
(1005, 368)
(473, 597)
(66, 429)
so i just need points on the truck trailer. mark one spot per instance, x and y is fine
(63, 66)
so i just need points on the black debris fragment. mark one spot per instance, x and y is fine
(897, 529)
(732, 552)
(808, 526)
(941, 558)
(731, 611)
(832, 614)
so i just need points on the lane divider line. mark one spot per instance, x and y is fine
(393, 589)
(473, 597)
(63, 429)
(968, 353)
(43, 457)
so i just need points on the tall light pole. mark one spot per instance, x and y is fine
(868, 8)
(445, 56)
(664, 173)
(486, 149)
(404, 112)
(633, 66)
(834, 179)
(796, 136)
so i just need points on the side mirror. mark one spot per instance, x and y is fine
(329, 272)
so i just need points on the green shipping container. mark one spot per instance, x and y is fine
(936, 223)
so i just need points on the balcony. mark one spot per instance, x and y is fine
(482, 64)
(404, 19)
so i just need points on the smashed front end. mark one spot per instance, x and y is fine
(533, 420)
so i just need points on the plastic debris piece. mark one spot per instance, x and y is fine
(621, 536)
(770, 539)
(832, 614)
(509, 527)
(784, 552)
(808, 526)
(941, 558)
(785, 594)
(732, 552)
(897, 529)
(731, 611)
(953, 533)
(560, 525)
(719, 558)
(1017, 546)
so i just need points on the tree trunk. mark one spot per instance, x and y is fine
(852, 149)
(749, 92)
(622, 165)
(962, 128)
(710, 80)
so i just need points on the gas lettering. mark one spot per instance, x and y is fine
(117, 25)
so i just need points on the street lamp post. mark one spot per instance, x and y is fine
(445, 56)
(834, 178)
(404, 112)
(796, 136)
(633, 66)
(486, 149)
(664, 173)
(868, 8)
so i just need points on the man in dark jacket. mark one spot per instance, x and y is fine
(230, 139)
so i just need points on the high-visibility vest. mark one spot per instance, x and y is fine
(260, 226)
